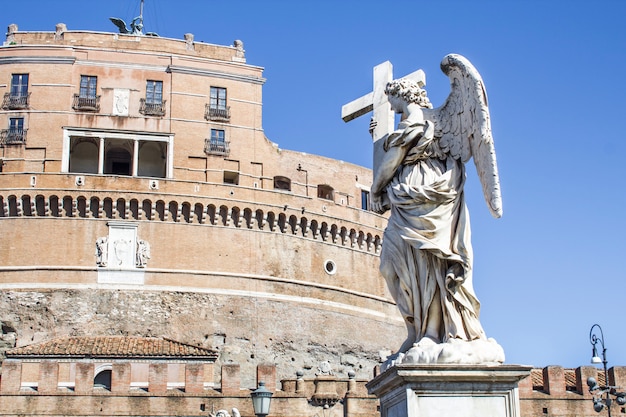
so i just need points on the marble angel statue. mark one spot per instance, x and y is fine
(426, 257)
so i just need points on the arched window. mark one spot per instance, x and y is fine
(103, 379)
(84, 155)
(282, 183)
(326, 192)
(117, 161)
(152, 159)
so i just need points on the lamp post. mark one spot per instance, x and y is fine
(602, 394)
(261, 399)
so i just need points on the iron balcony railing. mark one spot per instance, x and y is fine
(216, 147)
(13, 136)
(86, 103)
(151, 109)
(216, 113)
(16, 101)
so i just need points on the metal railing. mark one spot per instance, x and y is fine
(151, 109)
(12, 136)
(16, 101)
(216, 147)
(217, 114)
(86, 103)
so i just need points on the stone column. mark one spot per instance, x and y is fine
(135, 158)
(101, 151)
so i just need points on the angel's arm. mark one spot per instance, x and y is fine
(391, 160)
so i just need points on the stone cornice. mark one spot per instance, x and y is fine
(216, 74)
(30, 60)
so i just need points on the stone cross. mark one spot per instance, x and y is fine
(376, 102)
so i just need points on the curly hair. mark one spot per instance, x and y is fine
(409, 91)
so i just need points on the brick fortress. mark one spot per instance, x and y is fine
(161, 255)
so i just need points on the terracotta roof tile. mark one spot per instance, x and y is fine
(113, 347)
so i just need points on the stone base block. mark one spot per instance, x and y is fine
(449, 390)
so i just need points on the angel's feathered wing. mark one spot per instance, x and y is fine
(121, 25)
(463, 126)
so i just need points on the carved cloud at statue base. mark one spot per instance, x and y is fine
(454, 351)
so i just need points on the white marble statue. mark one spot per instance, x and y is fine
(102, 251)
(426, 257)
(143, 253)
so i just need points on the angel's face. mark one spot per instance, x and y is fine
(396, 103)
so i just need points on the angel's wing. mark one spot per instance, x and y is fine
(121, 25)
(463, 126)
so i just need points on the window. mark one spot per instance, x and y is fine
(153, 104)
(19, 85)
(88, 86)
(326, 192)
(18, 96)
(117, 153)
(103, 380)
(217, 144)
(154, 92)
(217, 108)
(231, 177)
(282, 183)
(86, 99)
(365, 200)
(218, 98)
(15, 134)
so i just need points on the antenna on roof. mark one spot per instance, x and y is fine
(136, 25)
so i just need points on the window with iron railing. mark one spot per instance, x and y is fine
(15, 134)
(217, 109)
(217, 144)
(86, 99)
(18, 98)
(153, 104)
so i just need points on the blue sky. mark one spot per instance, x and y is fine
(553, 265)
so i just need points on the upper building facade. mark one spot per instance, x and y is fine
(139, 196)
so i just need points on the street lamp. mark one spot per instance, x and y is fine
(602, 394)
(261, 399)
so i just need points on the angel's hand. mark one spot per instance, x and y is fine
(378, 204)
(373, 124)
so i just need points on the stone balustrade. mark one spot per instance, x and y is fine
(204, 211)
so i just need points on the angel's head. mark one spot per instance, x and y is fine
(409, 91)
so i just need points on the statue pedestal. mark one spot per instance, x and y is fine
(436, 390)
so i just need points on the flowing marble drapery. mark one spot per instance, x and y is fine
(427, 255)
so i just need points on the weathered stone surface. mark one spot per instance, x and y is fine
(245, 330)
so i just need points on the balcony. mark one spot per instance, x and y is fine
(91, 104)
(217, 114)
(12, 136)
(16, 102)
(151, 109)
(216, 147)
